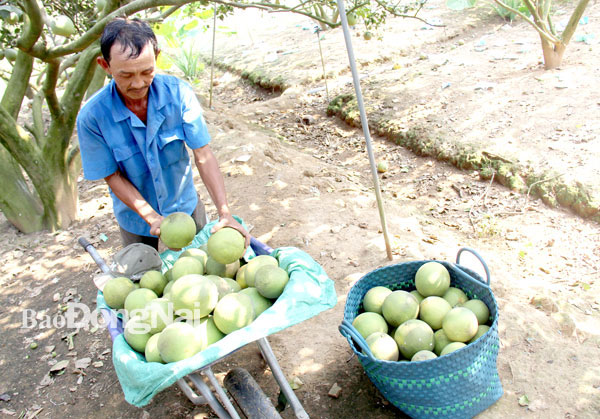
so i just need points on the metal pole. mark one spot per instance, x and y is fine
(318, 32)
(212, 58)
(365, 124)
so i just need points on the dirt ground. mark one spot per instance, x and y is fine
(301, 178)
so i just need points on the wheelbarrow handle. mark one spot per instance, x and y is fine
(88, 247)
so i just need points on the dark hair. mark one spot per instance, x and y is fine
(130, 33)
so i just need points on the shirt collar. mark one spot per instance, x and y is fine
(156, 98)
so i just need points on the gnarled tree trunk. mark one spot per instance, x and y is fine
(553, 53)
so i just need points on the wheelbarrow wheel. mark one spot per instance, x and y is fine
(248, 395)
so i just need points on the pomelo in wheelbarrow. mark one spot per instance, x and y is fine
(216, 268)
(413, 336)
(254, 264)
(137, 333)
(432, 278)
(158, 314)
(259, 303)
(233, 312)
(178, 341)
(186, 265)
(137, 299)
(151, 351)
(383, 346)
(153, 280)
(177, 230)
(399, 307)
(460, 324)
(193, 296)
(226, 245)
(207, 331)
(222, 286)
(368, 323)
(116, 290)
(270, 281)
(197, 253)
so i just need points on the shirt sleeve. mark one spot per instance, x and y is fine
(194, 126)
(96, 156)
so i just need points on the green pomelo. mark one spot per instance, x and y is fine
(194, 296)
(423, 356)
(373, 299)
(270, 281)
(367, 35)
(208, 332)
(233, 312)
(116, 291)
(369, 322)
(197, 253)
(153, 280)
(216, 268)
(137, 300)
(233, 284)
(432, 311)
(351, 17)
(432, 278)
(460, 324)
(222, 285)
(62, 25)
(151, 352)
(413, 336)
(399, 307)
(441, 340)
(383, 346)
(418, 296)
(451, 347)
(136, 333)
(382, 167)
(185, 266)
(10, 54)
(158, 314)
(167, 288)
(259, 303)
(254, 264)
(178, 341)
(482, 329)
(177, 230)
(169, 275)
(240, 276)
(226, 245)
(455, 296)
(481, 310)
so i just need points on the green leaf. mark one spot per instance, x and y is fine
(191, 25)
(204, 14)
(460, 4)
(524, 400)
(163, 62)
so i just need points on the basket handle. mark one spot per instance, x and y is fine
(478, 256)
(346, 329)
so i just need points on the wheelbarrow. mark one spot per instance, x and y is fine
(245, 392)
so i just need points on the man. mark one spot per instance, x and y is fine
(133, 134)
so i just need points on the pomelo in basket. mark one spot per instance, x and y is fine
(455, 296)
(369, 322)
(208, 332)
(451, 347)
(178, 341)
(270, 281)
(481, 310)
(226, 245)
(186, 265)
(233, 284)
(399, 307)
(216, 268)
(136, 333)
(151, 351)
(194, 296)
(167, 288)
(137, 300)
(116, 290)
(158, 314)
(177, 230)
(413, 336)
(222, 286)
(418, 296)
(197, 253)
(441, 340)
(374, 298)
(254, 264)
(432, 311)
(240, 276)
(259, 303)
(460, 324)
(432, 278)
(481, 330)
(233, 312)
(423, 356)
(153, 280)
(383, 346)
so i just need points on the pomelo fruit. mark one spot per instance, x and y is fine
(383, 346)
(116, 290)
(367, 35)
(233, 284)
(226, 245)
(177, 230)
(208, 332)
(423, 356)
(168, 275)
(351, 17)
(136, 333)
(374, 298)
(399, 307)
(233, 312)
(178, 341)
(254, 264)
(451, 347)
(259, 303)
(10, 54)
(216, 268)
(197, 253)
(418, 296)
(441, 340)
(270, 281)
(151, 351)
(369, 322)
(432, 311)
(240, 276)
(481, 310)
(194, 296)
(460, 324)
(153, 280)
(455, 296)
(222, 285)
(413, 336)
(186, 265)
(158, 314)
(382, 167)
(62, 25)
(432, 278)
(167, 288)
(481, 330)
(137, 299)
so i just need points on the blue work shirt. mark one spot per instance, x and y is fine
(152, 156)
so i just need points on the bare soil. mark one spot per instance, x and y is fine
(301, 178)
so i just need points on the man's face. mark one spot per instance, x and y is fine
(132, 76)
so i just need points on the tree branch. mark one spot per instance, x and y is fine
(49, 88)
(574, 21)
(392, 11)
(544, 34)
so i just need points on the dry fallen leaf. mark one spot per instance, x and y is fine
(83, 363)
(59, 366)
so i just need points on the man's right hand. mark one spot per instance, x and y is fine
(155, 223)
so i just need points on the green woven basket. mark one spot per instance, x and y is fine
(457, 385)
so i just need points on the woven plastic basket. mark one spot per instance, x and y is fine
(460, 384)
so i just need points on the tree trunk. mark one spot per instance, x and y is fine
(553, 54)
